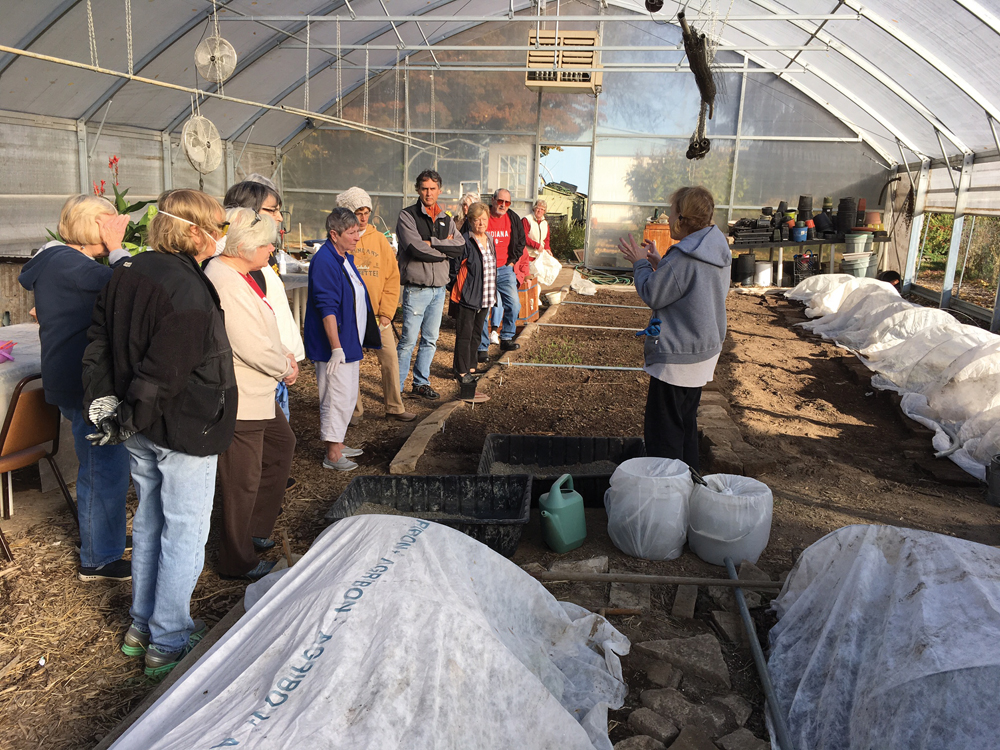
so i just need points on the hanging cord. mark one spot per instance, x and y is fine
(306, 103)
(128, 34)
(433, 119)
(395, 97)
(217, 35)
(93, 37)
(716, 36)
(340, 80)
(364, 112)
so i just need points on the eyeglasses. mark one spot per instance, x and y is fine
(363, 212)
(502, 203)
(274, 211)
(256, 218)
(221, 227)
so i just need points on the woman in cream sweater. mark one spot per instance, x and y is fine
(254, 470)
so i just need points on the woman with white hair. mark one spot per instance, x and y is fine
(536, 229)
(254, 470)
(66, 279)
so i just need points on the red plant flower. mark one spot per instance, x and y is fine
(99, 190)
(113, 166)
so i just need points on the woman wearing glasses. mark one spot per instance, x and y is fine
(158, 375)
(254, 469)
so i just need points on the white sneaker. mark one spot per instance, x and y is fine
(344, 464)
(495, 338)
(351, 452)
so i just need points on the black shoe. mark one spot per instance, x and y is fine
(261, 544)
(508, 346)
(117, 570)
(426, 391)
(483, 356)
(290, 483)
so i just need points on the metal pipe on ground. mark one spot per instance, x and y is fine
(599, 328)
(508, 363)
(601, 304)
(550, 576)
(777, 718)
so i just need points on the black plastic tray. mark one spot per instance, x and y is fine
(552, 450)
(492, 510)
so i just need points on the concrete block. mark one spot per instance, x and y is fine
(738, 707)
(725, 598)
(732, 626)
(699, 656)
(630, 596)
(662, 674)
(648, 722)
(724, 461)
(755, 462)
(723, 437)
(693, 738)
(640, 742)
(670, 704)
(741, 739)
(712, 411)
(684, 602)
(750, 572)
(593, 565)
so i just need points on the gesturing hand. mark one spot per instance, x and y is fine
(112, 229)
(634, 252)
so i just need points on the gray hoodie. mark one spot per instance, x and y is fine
(687, 292)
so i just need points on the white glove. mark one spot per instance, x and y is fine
(103, 415)
(337, 358)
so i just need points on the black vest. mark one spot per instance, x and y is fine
(425, 226)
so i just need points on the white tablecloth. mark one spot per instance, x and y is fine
(297, 286)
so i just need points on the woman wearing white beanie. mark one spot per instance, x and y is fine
(376, 262)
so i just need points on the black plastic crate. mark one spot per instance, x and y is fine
(492, 510)
(543, 451)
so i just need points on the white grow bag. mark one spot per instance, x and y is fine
(730, 517)
(647, 505)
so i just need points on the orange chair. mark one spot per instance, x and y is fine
(30, 425)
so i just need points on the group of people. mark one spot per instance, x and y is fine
(173, 366)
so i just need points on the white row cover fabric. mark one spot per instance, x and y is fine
(730, 516)
(647, 506)
(887, 638)
(947, 372)
(394, 632)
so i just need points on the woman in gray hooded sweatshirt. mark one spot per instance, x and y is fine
(686, 290)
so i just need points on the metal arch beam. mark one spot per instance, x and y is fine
(261, 50)
(954, 247)
(33, 36)
(158, 50)
(939, 65)
(829, 107)
(867, 67)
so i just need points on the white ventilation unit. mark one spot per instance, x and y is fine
(562, 70)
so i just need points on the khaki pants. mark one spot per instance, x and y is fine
(389, 363)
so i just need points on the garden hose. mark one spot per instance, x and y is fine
(602, 277)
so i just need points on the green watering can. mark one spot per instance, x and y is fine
(563, 523)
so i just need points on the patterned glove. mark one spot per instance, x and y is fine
(104, 416)
(653, 329)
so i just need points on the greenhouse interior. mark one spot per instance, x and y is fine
(786, 215)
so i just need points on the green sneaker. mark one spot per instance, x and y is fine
(136, 641)
(159, 662)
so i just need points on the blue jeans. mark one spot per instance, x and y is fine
(101, 486)
(493, 320)
(169, 532)
(507, 291)
(422, 310)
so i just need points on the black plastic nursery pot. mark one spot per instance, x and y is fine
(492, 510)
(561, 454)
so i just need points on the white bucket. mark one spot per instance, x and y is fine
(553, 298)
(731, 517)
(762, 273)
(647, 507)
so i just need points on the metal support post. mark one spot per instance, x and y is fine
(917, 225)
(587, 241)
(83, 160)
(168, 161)
(230, 176)
(955, 247)
(736, 146)
(965, 258)
(538, 150)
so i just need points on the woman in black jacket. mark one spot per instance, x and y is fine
(474, 291)
(158, 375)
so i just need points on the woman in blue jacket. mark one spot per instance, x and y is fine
(66, 280)
(339, 322)
(686, 290)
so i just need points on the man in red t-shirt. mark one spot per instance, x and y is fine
(507, 231)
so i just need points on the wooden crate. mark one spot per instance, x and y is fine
(660, 234)
(528, 295)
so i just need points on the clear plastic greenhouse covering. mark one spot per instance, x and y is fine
(947, 372)
(887, 638)
(397, 632)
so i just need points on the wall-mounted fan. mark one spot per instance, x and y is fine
(202, 144)
(215, 59)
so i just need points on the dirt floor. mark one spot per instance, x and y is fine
(843, 455)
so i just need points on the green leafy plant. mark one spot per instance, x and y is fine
(566, 237)
(559, 351)
(137, 231)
